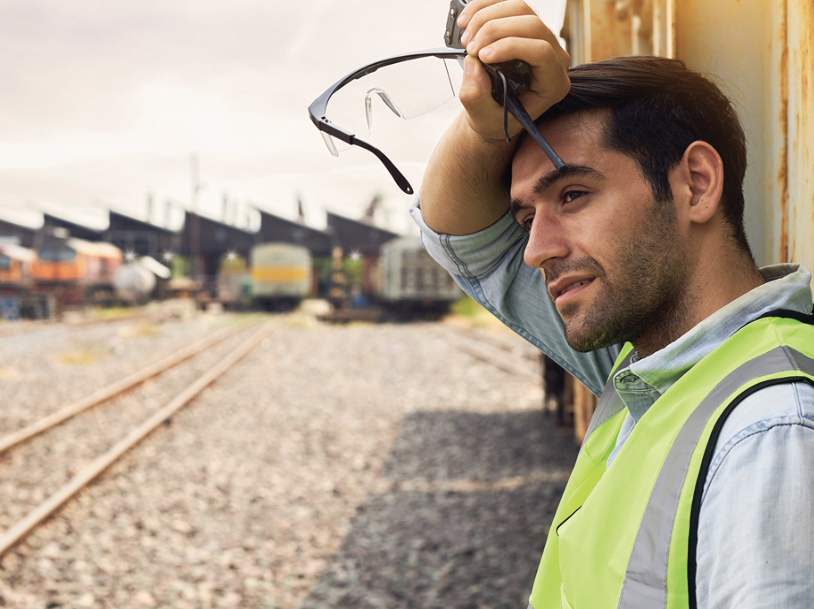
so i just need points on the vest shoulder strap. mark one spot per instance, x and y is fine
(646, 577)
(789, 314)
(802, 363)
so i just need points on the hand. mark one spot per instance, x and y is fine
(502, 30)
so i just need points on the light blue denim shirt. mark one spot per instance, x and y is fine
(756, 526)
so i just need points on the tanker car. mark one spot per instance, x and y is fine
(133, 283)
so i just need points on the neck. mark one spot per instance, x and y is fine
(710, 288)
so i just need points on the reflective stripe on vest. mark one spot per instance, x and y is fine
(645, 585)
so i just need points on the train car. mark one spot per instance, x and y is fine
(134, 283)
(409, 282)
(234, 288)
(82, 268)
(281, 274)
(15, 267)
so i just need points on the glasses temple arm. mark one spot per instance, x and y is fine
(397, 175)
(519, 112)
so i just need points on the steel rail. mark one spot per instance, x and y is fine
(30, 326)
(490, 354)
(18, 531)
(118, 387)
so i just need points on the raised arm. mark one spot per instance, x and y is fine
(463, 190)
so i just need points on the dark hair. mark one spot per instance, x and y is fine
(658, 107)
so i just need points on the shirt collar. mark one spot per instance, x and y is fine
(788, 286)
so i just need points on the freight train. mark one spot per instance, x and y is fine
(409, 283)
(15, 268)
(281, 274)
(405, 281)
(81, 270)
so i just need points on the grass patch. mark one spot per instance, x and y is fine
(142, 329)
(467, 312)
(112, 312)
(82, 358)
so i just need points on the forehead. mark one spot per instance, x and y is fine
(577, 139)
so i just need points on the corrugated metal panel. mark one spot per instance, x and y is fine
(799, 211)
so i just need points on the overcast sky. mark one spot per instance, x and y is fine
(104, 103)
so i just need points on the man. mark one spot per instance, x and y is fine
(695, 484)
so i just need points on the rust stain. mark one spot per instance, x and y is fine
(804, 192)
(783, 126)
(794, 234)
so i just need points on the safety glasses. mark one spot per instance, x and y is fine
(348, 113)
(406, 86)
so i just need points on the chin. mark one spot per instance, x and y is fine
(588, 339)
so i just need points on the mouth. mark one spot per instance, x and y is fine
(568, 289)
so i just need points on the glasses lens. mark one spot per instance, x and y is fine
(404, 90)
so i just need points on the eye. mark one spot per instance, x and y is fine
(526, 221)
(569, 196)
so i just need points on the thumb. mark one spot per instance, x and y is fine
(475, 84)
(484, 115)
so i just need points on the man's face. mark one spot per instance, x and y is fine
(612, 256)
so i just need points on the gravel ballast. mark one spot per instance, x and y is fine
(334, 466)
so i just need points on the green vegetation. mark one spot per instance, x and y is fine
(112, 312)
(353, 270)
(236, 265)
(82, 358)
(466, 311)
(466, 307)
(181, 266)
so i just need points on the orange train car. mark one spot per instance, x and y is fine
(82, 267)
(15, 267)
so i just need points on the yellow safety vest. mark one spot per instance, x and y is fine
(625, 535)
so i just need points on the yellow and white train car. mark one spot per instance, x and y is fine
(281, 274)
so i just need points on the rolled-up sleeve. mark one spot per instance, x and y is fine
(489, 266)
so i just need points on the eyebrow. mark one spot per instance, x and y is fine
(546, 181)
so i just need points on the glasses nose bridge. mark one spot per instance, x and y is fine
(381, 94)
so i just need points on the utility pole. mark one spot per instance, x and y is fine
(150, 199)
(195, 225)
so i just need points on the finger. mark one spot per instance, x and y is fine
(492, 9)
(539, 54)
(483, 114)
(524, 26)
(549, 70)
(473, 7)
(475, 84)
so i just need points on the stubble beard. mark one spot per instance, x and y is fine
(644, 301)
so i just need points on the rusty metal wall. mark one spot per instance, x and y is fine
(762, 53)
(798, 219)
(731, 40)
(761, 50)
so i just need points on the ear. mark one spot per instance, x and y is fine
(701, 178)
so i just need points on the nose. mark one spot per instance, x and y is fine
(547, 242)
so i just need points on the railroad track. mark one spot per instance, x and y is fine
(509, 355)
(79, 477)
(158, 314)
